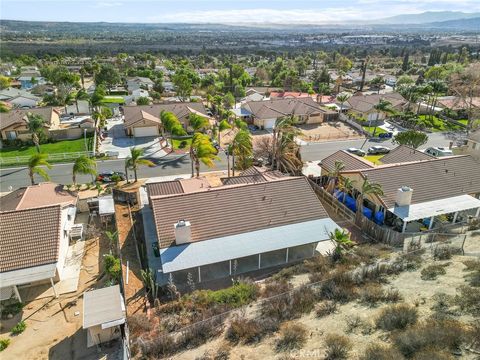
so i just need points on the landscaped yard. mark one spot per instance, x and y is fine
(113, 100)
(371, 129)
(374, 159)
(435, 124)
(64, 146)
(183, 144)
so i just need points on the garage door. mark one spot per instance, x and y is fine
(145, 131)
(269, 123)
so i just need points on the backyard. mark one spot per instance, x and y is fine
(435, 124)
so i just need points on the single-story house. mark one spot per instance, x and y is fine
(139, 82)
(456, 103)
(265, 113)
(13, 125)
(403, 153)
(472, 146)
(27, 75)
(216, 233)
(18, 98)
(103, 315)
(364, 105)
(145, 120)
(34, 236)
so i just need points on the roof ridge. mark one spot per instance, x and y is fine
(31, 208)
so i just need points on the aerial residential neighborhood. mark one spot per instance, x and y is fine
(219, 180)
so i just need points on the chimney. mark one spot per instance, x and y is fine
(404, 196)
(183, 232)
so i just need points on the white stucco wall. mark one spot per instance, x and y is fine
(64, 239)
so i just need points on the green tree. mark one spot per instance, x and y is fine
(411, 138)
(172, 125)
(83, 165)
(108, 75)
(285, 152)
(228, 100)
(135, 160)
(202, 150)
(342, 242)
(334, 174)
(35, 166)
(383, 107)
(4, 82)
(242, 150)
(35, 125)
(81, 95)
(342, 98)
(376, 83)
(183, 85)
(198, 122)
(346, 185)
(343, 64)
(222, 126)
(142, 100)
(368, 189)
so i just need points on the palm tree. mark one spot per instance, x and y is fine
(172, 125)
(81, 95)
(35, 164)
(135, 160)
(368, 188)
(202, 150)
(347, 186)
(35, 125)
(342, 242)
(242, 149)
(222, 126)
(383, 107)
(342, 98)
(83, 165)
(198, 123)
(333, 176)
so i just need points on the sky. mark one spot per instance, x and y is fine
(223, 11)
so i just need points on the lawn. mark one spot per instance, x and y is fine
(183, 144)
(51, 148)
(375, 159)
(435, 124)
(113, 100)
(370, 129)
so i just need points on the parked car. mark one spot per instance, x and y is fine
(438, 151)
(375, 150)
(106, 177)
(356, 151)
(253, 128)
(387, 135)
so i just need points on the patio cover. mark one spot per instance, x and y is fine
(106, 206)
(435, 207)
(175, 258)
(103, 307)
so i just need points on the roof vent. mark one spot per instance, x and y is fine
(183, 232)
(404, 196)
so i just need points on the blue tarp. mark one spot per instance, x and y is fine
(367, 213)
(339, 195)
(350, 203)
(379, 217)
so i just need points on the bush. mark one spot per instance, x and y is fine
(442, 253)
(370, 253)
(275, 288)
(10, 307)
(380, 352)
(337, 347)
(289, 306)
(19, 328)
(292, 336)
(326, 308)
(473, 266)
(430, 354)
(159, 346)
(139, 323)
(397, 317)
(468, 300)
(435, 335)
(112, 267)
(431, 272)
(199, 333)
(237, 295)
(372, 294)
(222, 353)
(243, 330)
(353, 323)
(4, 344)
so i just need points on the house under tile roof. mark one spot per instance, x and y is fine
(404, 153)
(179, 186)
(229, 210)
(430, 179)
(252, 175)
(351, 161)
(19, 117)
(39, 195)
(274, 108)
(29, 237)
(365, 103)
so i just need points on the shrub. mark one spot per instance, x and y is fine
(289, 306)
(292, 336)
(275, 287)
(380, 352)
(319, 264)
(430, 354)
(237, 295)
(372, 294)
(200, 333)
(370, 253)
(19, 328)
(222, 353)
(4, 344)
(287, 273)
(396, 317)
(159, 346)
(442, 253)
(326, 308)
(353, 323)
(337, 347)
(473, 266)
(467, 300)
(243, 330)
(10, 307)
(431, 272)
(112, 267)
(139, 323)
(436, 335)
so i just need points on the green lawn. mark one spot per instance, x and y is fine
(113, 100)
(374, 159)
(463, 121)
(370, 129)
(435, 124)
(64, 146)
(177, 143)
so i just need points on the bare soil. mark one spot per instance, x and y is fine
(328, 131)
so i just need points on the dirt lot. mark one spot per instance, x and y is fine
(328, 131)
(415, 292)
(54, 326)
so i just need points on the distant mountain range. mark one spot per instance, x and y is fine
(427, 17)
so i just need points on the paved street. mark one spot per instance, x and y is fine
(171, 165)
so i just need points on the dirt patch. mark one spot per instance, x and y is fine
(328, 131)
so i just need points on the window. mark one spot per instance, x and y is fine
(11, 135)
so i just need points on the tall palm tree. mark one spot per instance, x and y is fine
(83, 165)
(81, 95)
(202, 150)
(172, 125)
(333, 176)
(222, 126)
(35, 123)
(35, 164)
(368, 189)
(135, 160)
(342, 98)
(323, 88)
(383, 107)
(347, 186)
(342, 242)
(242, 149)
(198, 123)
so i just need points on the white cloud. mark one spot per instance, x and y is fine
(107, 4)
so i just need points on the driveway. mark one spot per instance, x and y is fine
(118, 142)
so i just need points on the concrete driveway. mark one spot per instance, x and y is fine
(118, 142)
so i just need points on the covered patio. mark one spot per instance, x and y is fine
(431, 214)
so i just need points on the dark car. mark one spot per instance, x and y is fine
(358, 152)
(387, 135)
(106, 177)
(374, 150)
(253, 128)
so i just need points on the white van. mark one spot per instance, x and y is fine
(438, 151)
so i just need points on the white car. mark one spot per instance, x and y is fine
(378, 150)
(438, 151)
